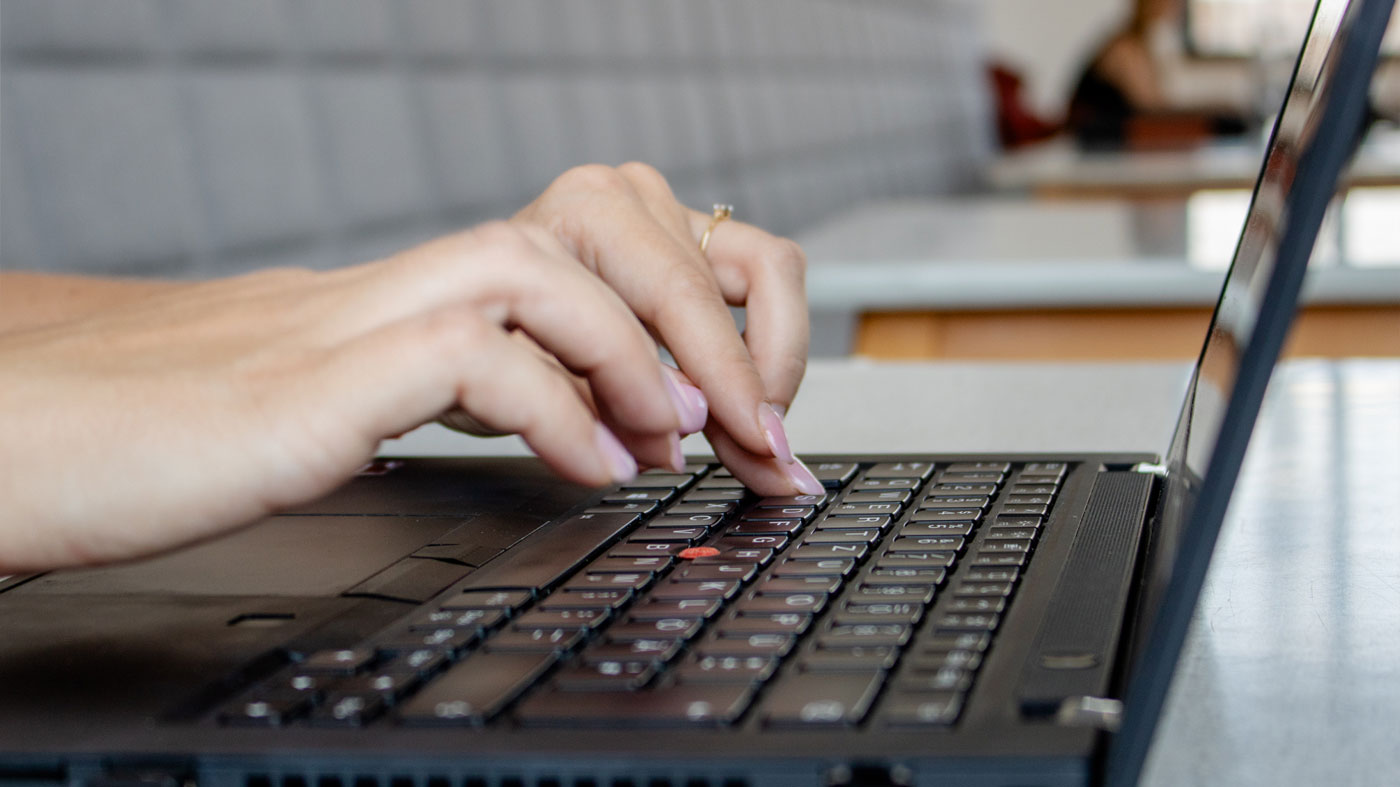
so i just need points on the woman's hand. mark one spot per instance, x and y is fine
(625, 225)
(184, 414)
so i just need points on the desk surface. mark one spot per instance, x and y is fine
(1012, 252)
(1289, 675)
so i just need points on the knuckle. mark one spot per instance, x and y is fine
(786, 256)
(643, 172)
(592, 177)
(500, 235)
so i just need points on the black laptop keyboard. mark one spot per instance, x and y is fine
(875, 603)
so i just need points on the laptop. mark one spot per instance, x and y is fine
(974, 619)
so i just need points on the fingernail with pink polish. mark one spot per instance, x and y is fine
(699, 409)
(621, 466)
(689, 402)
(802, 478)
(772, 425)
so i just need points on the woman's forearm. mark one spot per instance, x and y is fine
(33, 300)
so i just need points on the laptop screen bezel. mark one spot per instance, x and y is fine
(1347, 65)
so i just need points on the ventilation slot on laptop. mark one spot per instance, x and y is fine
(459, 780)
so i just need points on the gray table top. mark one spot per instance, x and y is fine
(1291, 673)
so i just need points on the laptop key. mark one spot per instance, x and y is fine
(936, 529)
(946, 515)
(950, 679)
(640, 495)
(991, 575)
(931, 559)
(661, 628)
(720, 508)
(833, 475)
(864, 522)
(716, 589)
(954, 622)
(689, 572)
(582, 582)
(1000, 545)
(887, 496)
(628, 565)
(336, 662)
(694, 608)
(659, 481)
(686, 704)
(969, 604)
(1023, 510)
(842, 537)
(685, 536)
(1052, 469)
(444, 640)
(265, 712)
(808, 699)
(639, 508)
(893, 635)
(874, 594)
(998, 559)
(986, 589)
(535, 641)
(932, 661)
(979, 467)
(752, 542)
(1035, 488)
(604, 676)
(789, 569)
(971, 478)
(923, 710)
(644, 550)
(866, 509)
(804, 513)
(856, 659)
(418, 663)
(657, 650)
(780, 527)
(347, 710)
(765, 623)
(774, 646)
(726, 669)
(925, 544)
(482, 619)
(800, 602)
(961, 490)
(973, 641)
(389, 685)
(707, 492)
(508, 600)
(906, 576)
(797, 585)
(579, 619)
(474, 689)
(919, 470)
(1001, 532)
(828, 551)
(757, 556)
(793, 500)
(1028, 500)
(974, 501)
(543, 559)
(609, 599)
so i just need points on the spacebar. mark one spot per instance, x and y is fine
(546, 556)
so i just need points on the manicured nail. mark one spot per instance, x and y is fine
(677, 456)
(772, 425)
(621, 466)
(802, 478)
(699, 409)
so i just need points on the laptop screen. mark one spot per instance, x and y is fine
(1314, 135)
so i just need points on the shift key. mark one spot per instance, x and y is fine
(821, 699)
(475, 689)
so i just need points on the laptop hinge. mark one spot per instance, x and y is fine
(1148, 468)
(1098, 712)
